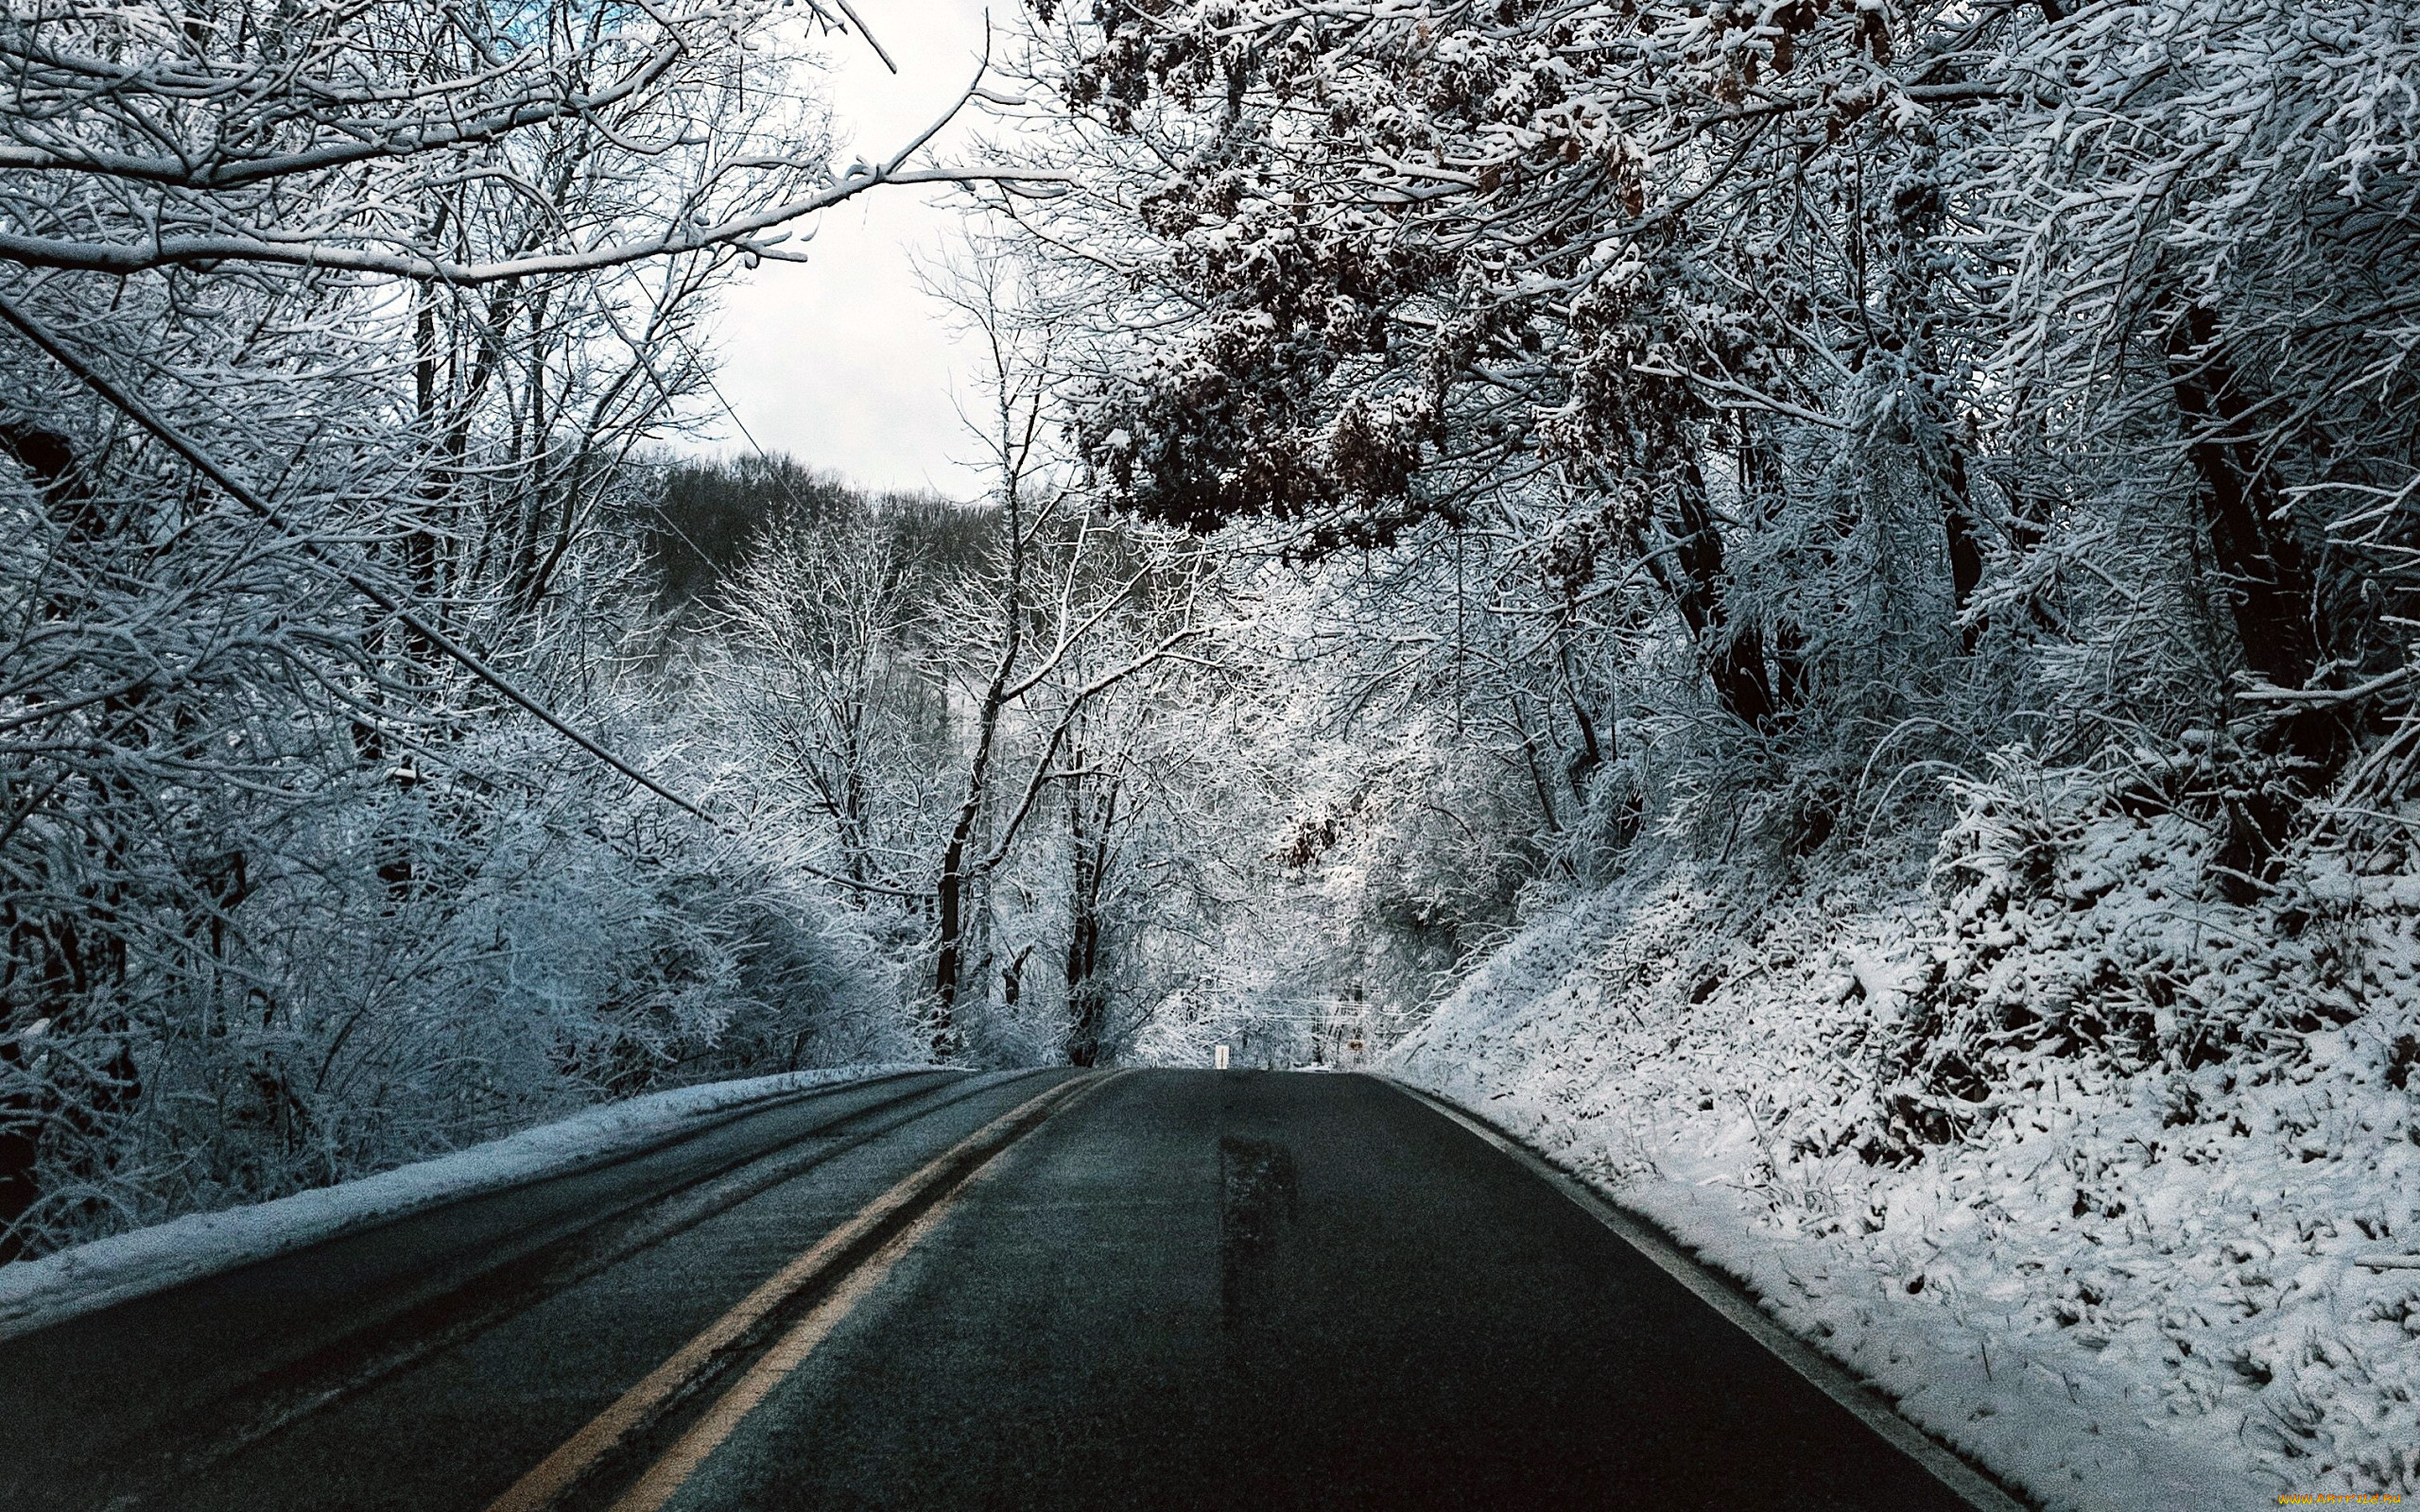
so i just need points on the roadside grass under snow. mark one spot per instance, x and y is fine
(37, 1293)
(2075, 1160)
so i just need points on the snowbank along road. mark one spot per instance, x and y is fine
(1051, 1289)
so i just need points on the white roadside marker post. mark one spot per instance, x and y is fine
(1218, 1058)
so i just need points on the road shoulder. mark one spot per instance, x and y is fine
(1726, 1296)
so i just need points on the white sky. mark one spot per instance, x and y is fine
(842, 361)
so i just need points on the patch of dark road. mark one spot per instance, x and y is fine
(1259, 1196)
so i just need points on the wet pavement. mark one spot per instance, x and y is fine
(1181, 1290)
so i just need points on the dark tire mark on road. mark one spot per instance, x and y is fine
(1258, 1196)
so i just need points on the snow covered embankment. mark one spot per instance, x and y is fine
(2077, 1165)
(37, 1293)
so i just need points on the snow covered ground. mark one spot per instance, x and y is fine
(2076, 1162)
(36, 1293)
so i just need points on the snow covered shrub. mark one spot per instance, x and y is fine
(256, 943)
(2085, 932)
(537, 961)
(603, 963)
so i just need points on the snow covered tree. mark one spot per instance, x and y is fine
(421, 279)
(1838, 393)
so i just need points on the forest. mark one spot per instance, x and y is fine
(1476, 488)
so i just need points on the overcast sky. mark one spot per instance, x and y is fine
(842, 361)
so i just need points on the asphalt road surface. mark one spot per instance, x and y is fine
(1139, 1290)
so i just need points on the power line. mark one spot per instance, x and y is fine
(177, 442)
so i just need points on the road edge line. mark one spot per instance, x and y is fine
(1961, 1478)
(833, 1258)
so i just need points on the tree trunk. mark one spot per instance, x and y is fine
(950, 924)
(1964, 538)
(950, 891)
(1088, 851)
(2268, 584)
(2268, 587)
(1735, 655)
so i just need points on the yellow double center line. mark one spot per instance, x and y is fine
(933, 1188)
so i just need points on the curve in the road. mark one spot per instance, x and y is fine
(1161, 1289)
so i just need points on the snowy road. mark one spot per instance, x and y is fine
(1155, 1289)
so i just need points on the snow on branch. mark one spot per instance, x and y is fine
(418, 139)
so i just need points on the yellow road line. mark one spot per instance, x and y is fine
(667, 1475)
(558, 1471)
